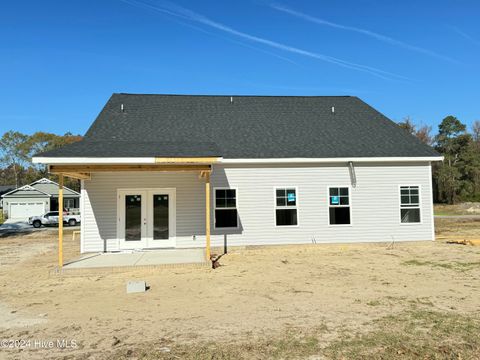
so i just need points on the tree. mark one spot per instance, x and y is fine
(408, 125)
(423, 133)
(454, 176)
(40, 142)
(14, 152)
(17, 149)
(476, 131)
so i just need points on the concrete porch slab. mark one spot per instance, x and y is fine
(138, 258)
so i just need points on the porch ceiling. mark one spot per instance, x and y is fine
(80, 171)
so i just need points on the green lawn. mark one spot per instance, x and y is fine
(451, 210)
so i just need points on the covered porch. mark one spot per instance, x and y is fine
(144, 184)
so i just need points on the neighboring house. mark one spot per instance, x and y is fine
(36, 199)
(4, 189)
(183, 171)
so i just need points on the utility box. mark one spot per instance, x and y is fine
(136, 287)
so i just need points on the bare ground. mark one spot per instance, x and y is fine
(415, 300)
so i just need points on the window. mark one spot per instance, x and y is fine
(286, 207)
(339, 205)
(226, 208)
(409, 204)
(69, 203)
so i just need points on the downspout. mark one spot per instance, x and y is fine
(353, 176)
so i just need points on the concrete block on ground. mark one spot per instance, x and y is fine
(136, 287)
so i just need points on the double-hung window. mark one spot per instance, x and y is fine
(410, 204)
(339, 205)
(286, 206)
(226, 208)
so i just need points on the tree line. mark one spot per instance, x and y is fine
(16, 151)
(456, 179)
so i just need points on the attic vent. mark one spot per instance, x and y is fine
(26, 187)
(333, 109)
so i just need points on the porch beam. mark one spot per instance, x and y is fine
(207, 216)
(60, 169)
(186, 160)
(203, 174)
(60, 221)
(79, 176)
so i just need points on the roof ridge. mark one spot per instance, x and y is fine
(237, 95)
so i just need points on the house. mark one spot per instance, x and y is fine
(37, 198)
(176, 171)
(4, 189)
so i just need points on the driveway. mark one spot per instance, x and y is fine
(16, 226)
(20, 226)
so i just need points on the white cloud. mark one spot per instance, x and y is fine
(187, 14)
(369, 33)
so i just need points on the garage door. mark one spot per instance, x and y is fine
(26, 209)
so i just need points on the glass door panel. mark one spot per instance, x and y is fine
(160, 217)
(133, 217)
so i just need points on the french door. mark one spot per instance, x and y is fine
(146, 218)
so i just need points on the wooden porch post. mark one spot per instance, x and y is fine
(207, 215)
(60, 221)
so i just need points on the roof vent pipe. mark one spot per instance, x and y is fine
(333, 109)
(121, 108)
(231, 99)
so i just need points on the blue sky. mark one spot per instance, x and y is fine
(61, 60)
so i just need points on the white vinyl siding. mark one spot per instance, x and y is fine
(374, 203)
(100, 206)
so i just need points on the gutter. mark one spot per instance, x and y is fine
(220, 160)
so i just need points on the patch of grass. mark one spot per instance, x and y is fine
(413, 334)
(374, 303)
(443, 213)
(2, 219)
(294, 343)
(455, 265)
(416, 334)
(422, 301)
(446, 210)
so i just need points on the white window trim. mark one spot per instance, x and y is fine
(225, 208)
(410, 207)
(275, 207)
(349, 205)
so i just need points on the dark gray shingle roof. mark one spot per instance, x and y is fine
(247, 127)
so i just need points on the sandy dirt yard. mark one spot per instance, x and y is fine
(412, 300)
